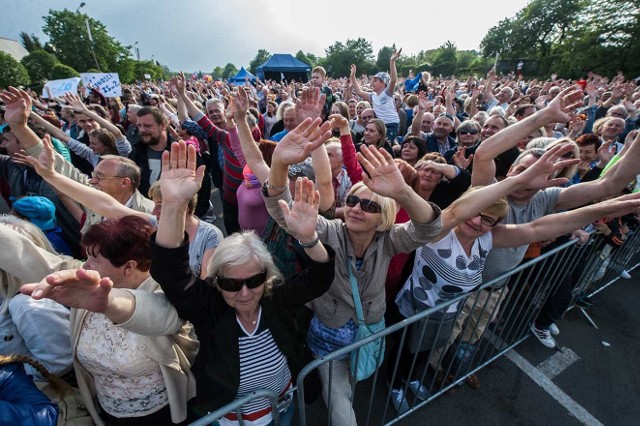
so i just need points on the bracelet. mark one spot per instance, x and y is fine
(274, 188)
(312, 244)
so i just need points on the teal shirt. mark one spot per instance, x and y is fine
(61, 148)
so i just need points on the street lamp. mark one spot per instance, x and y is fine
(137, 50)
(86, 21)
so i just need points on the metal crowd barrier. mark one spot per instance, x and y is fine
(507, 324)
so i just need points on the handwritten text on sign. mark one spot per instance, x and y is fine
(57, 88)
(106, 83)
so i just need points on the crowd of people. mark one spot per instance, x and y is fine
(408, 191)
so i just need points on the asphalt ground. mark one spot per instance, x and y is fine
(593, 378)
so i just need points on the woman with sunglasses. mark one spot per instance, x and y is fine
(467, 139)
(243, 312)
(364, 243)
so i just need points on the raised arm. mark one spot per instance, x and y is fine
(535, 177)
(78, 106)
(423, 105)
(192, 109)
(561, 109)
(98, 201)
(393, 71)
(356, 85)
(250, 149)
(50, 128)
(17, 104)
(383, 177)
(552, 226)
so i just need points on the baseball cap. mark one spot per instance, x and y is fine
(385, 77)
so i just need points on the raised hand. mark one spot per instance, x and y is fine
(395, 55)
(303, 217)
(460, 160)
(338, 121)
(296, 146)
(310, 103)
(44, 164)
(180, 179)
(537, 176)
(241, 105)
(562, 108)
(76, 288)
(619, 206)
(75, 102)
(381, 175)
(17, 105)
(180, 82)
(606, 152)
(352, 73)
(424, 104)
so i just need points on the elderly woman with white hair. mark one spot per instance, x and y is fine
(243, 311)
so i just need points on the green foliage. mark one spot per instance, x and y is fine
(30, 42)
(384, 54)
(60, 71)
(126, 70)
(261, 57)
(39, 65)
(68, 35)
(339, 57)
(229, 71)
(571, 37)
(217, 73)
(12, 72)
(445, 60)
(303, 58)
(148, 67)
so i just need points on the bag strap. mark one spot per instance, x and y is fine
(352, 279)
(412, 297)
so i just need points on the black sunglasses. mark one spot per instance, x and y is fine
(468, 132)
(368, 206)
(234, 284)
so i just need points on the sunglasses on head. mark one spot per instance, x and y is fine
(468, 132)
(368, 206)
(235, 284)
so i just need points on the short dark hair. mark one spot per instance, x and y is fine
(157, 114)
(589, 139)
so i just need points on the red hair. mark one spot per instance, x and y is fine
(121, 240)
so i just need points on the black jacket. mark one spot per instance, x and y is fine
(217, 366)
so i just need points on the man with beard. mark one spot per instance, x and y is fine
(440, 140)
(154, 140)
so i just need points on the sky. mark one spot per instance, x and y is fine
(198, 35)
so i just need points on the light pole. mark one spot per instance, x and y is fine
(137, 50)
(86, 21)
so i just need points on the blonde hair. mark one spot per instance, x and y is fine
(155, 192)
(59, 386)
(388, 206)
(498, 208)
(567, 172)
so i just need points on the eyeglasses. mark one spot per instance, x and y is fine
(99, 176)
(488, 220)
(234, 284)
(468, 132)
(445, 114)
(368, 206)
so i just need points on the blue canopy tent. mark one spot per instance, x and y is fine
(283, 66)
(242, 76)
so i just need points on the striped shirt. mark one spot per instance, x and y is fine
(262, 366)
(232, 170)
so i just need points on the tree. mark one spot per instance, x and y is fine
(30, 42)
(445, 61)
(384, 55)
(217, 73)
(12, 72)
(61, 71)
(39, 64)
(261, 57)
(339, 57)
(67, 31)
(303, 58)
(229, 71)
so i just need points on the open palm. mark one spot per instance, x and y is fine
(180, 179)
(301, 141)
(382, 174)
(302, 218)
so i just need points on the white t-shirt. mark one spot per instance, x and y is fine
(384, 107)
